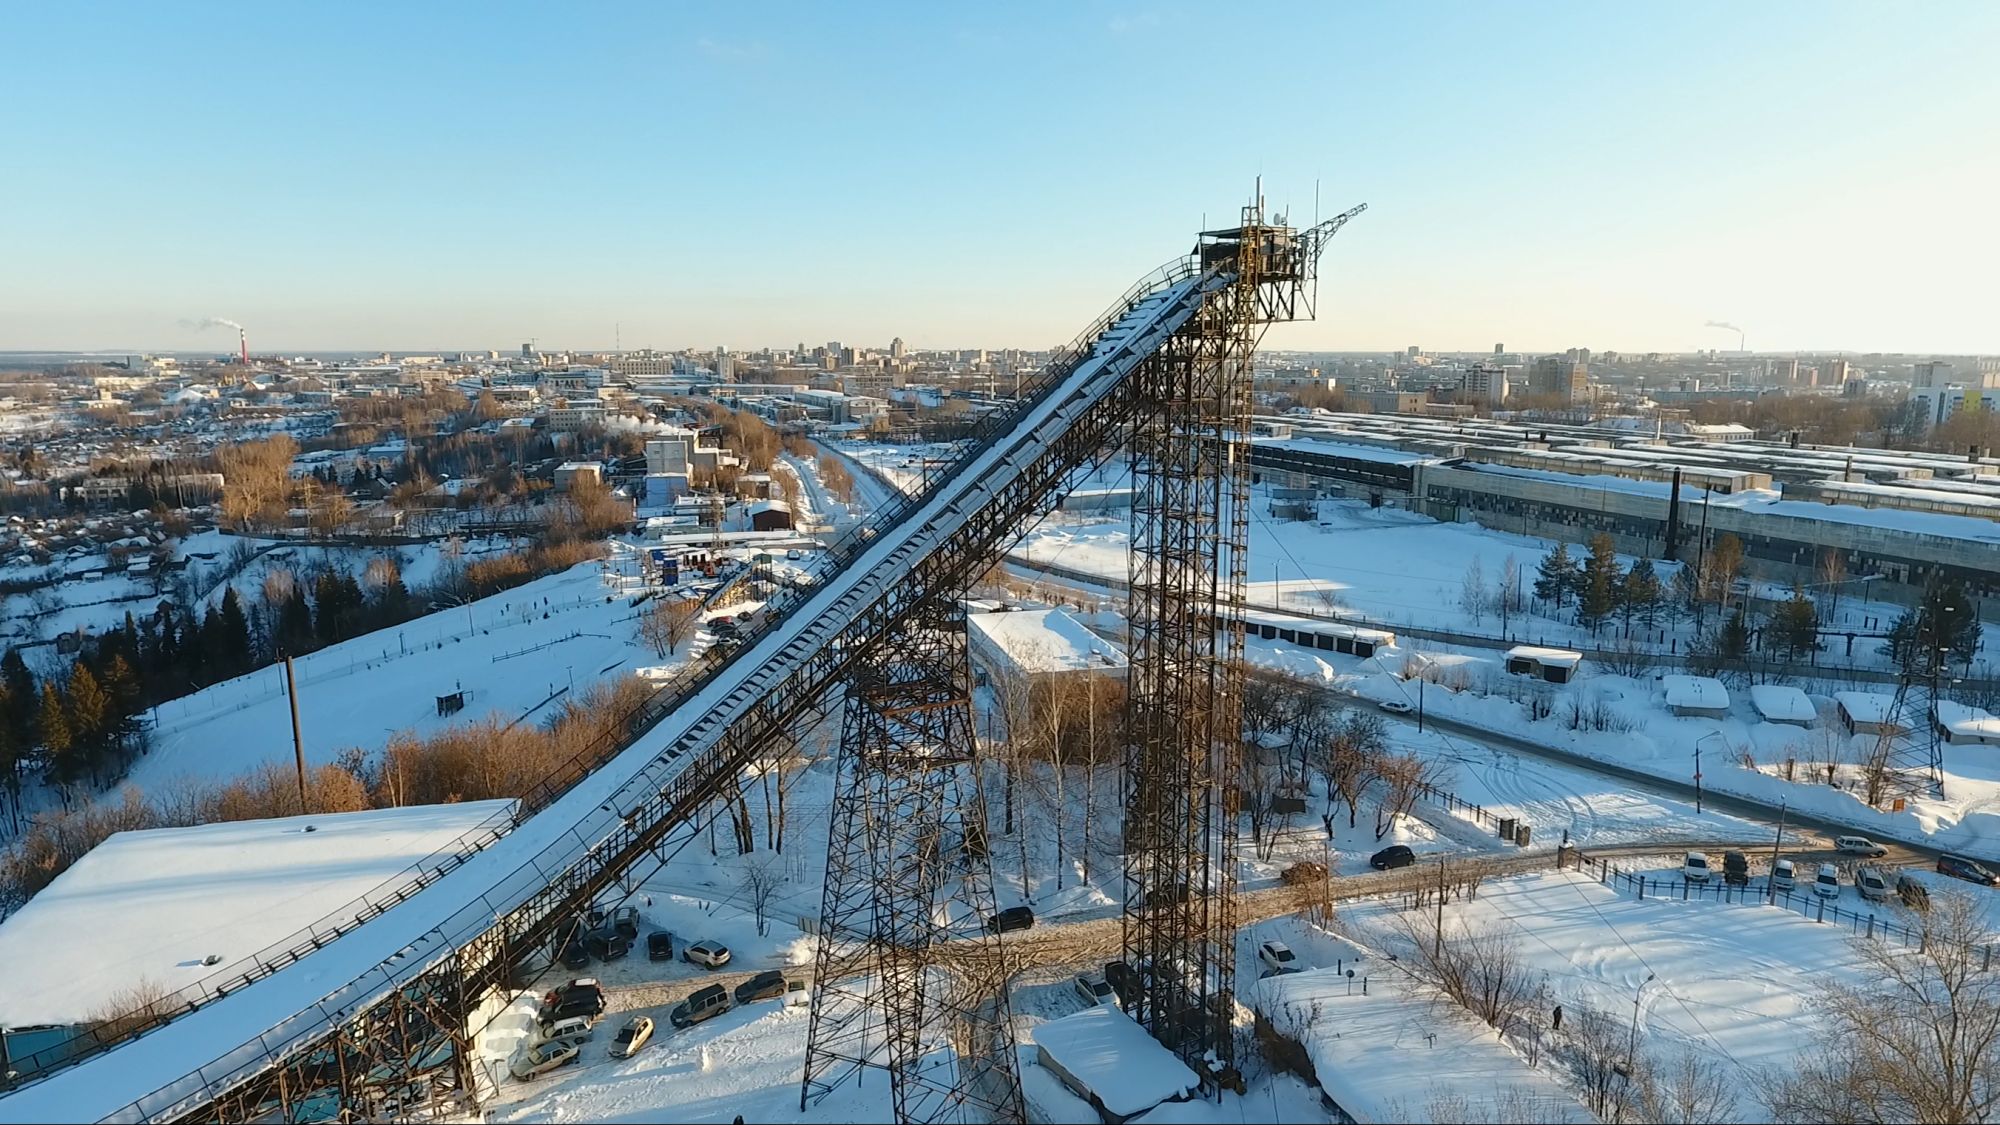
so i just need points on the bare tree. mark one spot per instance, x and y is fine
(1481, 970)
(1508, 597)
(1472, 597)
(665, 624)
(1917, 1040)
(1404, 778)
(1686, 1090)
(760, 882)
(1593, 1048)
(1832, 574)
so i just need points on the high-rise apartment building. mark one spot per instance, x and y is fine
(1561, 376)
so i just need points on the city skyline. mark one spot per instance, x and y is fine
(417, 180)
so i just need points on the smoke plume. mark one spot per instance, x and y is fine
(212, 322)
(1711, 324)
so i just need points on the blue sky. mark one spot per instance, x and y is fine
(472, 175)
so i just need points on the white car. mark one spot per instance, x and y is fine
(1396, 707)
(1277, 957)
(1093, 990)
(1694, 868)
(1826, 884)
(1783, 876)
(1859, 845)
(709, 954)
(544, 1057)
(1873, 885)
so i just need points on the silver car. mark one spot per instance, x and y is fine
(544, 1057)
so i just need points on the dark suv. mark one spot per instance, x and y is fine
(581, 997)
(1392, 857)
(763, 986)
(1971, 870)
(1735, 869)
(1125, 981)
(1012, 918)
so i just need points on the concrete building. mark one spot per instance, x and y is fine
(1484, 383)
(1556, 665)
(567, 416)
(670, 452)
(1015, 649)
(1561, 377)
(770, 515)
(1695, 697)
(569, 472)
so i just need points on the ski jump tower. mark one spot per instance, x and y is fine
(909, 977)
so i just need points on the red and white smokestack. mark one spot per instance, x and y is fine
(243, 340)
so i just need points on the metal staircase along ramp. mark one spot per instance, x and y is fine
(461, 934)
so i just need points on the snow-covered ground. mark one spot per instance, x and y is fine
(512, 653)
(1732, 983)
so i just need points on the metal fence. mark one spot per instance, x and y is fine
(1817, 908)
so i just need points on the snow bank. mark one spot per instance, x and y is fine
(152, 906)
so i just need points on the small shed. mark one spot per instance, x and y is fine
(1701, 697)
(569, 472)
(1781, 703)
(1110, 1062)
(1867, 712)
(1556, 665)
(770, 515)
(1962, 725)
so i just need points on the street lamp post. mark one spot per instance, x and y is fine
(1697, 767)
(1632, 1041)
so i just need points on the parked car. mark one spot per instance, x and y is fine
(1873, 885)
(1167, 894)
(637, 1032)
(1094, 990)
(1912, 891)
(703, 1003)
(625, 920)
(1735, 868)
(1970, 870)
(579, 1028)
(581, 997)
(1396, 707)
(1124, 981)
(795, 554)
(608, 943)
(1694, 868)
(728, 630)
(544, 1057)
(1826, 884)
(708, 954)
(1859, 845)
(1278, 957)
(1011, 919)
(659, 946)
(1392, 857)
(764, 986)
(1783, 876)
(574, 954)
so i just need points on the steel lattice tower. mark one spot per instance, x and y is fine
(908, 978)
(1190, 511)
(1908, 753)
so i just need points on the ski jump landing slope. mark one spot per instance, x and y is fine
(184, 1064)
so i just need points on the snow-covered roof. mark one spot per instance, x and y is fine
(1966, 721)
(1552, 657)
(1126, 1068)
(1866, 706)
(770, 506)
(1045, 640)
(152, 905)
(1782, 703)
(1385, 1053)
(1700, 692)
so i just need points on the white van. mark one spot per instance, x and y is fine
(1694, 868)
(1826, 884)
(1783, 876)
(1873, 885)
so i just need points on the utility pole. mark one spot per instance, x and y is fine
(1770, 887)
(298, 740)
(1697, 777)
(1437, 939)
(1420, 705)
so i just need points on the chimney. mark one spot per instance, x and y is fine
(243, 341)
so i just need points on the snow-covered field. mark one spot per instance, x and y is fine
(1732, 983)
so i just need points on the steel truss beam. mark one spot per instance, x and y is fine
(908, 876)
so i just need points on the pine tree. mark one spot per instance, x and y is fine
(52, 725)
(22, 695)
(1557, 576)
(90, 718)
(1795, 624)
(233, 639)
(1643, 593)
(295, 625)
(121, 684)
(1734, 643)
(1942, 625)
(1601, 584)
